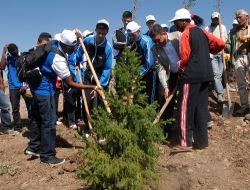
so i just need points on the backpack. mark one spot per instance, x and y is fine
(28, 65)
(119, 40)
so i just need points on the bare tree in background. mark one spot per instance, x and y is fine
(188, 4)
(218, 5)
(136, 6)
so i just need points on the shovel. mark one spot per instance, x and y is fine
(85, 103)
(157, 119)
(101, 93)
(228, 108)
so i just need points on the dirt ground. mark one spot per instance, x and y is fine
(224, 165)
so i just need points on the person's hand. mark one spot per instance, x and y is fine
(2, 87)
(5, 48)
(244, 38)
(22, 90)
(78, 33)
(227, 57)
(96, 90)
(28, 94)
(166, 92)
(93, 94)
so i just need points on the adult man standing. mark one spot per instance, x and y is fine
(238, 44)
(5, 110)
(142, 45)
(43, 131)
(195, 73)
(120, 36)
(217, 60)
(166, 56)
(16, 88)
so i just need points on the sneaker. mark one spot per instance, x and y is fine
(232, 87)
(180, 148)
(58, 122)
(17, 131)
(210, 124)
(220, 98)
(31, 153)
(247, 116)
(6, 131)
(53, 161)
(73, 126)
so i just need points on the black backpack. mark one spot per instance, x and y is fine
(28, 65)
(119, 40)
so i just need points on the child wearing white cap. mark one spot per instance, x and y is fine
(217, 60)
(150, 21)
(142, 45)
(100, 53)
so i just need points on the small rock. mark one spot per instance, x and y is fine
(70, 167)
(244, 124)
(171, 168)
(198, 165)
(226, 162)
(226, 122)
(190, 171)
(60, 172)
(201, 181)
(215, 188)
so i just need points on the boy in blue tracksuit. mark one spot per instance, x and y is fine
(143, 44)
(43, 122)
(16, 88)
(100, 53)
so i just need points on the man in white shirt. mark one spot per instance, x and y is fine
(217, 60)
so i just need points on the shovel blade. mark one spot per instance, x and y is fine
(227, 110)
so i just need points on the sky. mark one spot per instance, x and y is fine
(22, 21)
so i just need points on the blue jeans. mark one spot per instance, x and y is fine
(5, 110)
(15, 96)
(217, 65)
(43, 126)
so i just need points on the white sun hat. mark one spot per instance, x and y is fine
(181, 14)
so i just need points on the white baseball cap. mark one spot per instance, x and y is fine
(133, 27)
(215, 15)
(164, 25)
(150, 17)
(103, 21)
(181, 14)
(67, 37)
(86, 33)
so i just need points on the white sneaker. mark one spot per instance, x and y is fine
(58, 122)
(73, 126)
(232, 87)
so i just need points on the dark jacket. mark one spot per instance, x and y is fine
(195, 46)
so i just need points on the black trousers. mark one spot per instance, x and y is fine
(193, 114)
(169, 112)
(92, 103)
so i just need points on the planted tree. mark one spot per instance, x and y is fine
(128, 158)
